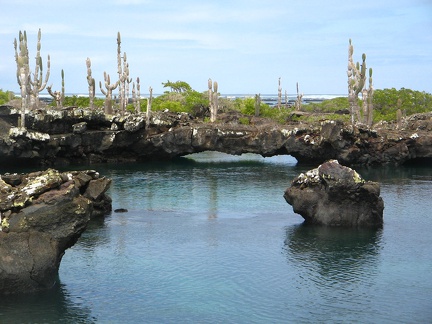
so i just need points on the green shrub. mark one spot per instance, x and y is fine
(388, 101)
(6, 96)
(327, 106)
(244, 121)
(188, 101)
(79, 101)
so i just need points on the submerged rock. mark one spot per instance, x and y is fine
(41, 215)
(336, 195)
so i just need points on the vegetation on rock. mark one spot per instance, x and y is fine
(6, 96)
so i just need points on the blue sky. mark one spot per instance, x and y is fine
(245, 45)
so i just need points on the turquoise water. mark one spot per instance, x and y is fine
(210, 239)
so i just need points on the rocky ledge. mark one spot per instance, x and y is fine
(336, 195)
(42, 214)
(75, 135)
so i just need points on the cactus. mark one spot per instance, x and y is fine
(91, 83)
(399, 113)
(399, 118)
(279, 102)
(136, 95)
(123, 73)
(23, 73)
(149, 104)
(37, 85)
(210, 93)
(298, 102)
(367, 96)
(29, 87)
(213, 99)
(57, 95)
(356, 81)
(369, 101)
(108, 93)
(257, 104)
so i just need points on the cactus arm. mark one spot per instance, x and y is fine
(102, 89)
(108, 93)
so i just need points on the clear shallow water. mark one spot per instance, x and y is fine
(212, 240)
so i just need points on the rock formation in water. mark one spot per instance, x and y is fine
(42, 214)
(336, 195)
(89, 136)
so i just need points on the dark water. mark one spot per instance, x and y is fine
(212, 240)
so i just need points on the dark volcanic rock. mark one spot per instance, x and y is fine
(42, 215)
(86, 136)
(336, 195)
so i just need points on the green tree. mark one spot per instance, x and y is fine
(181, 98)
(178, 86)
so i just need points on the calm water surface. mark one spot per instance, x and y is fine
(210, 239)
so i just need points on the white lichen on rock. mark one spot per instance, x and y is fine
(311, 176)
(16, 132)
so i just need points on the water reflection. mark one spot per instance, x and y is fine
(51, 306)
(201, 184)
(392, 175)
(333, 252)
(336, 268)
(95, 235)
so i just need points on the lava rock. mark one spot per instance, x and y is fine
(336, 195)
(40, 217)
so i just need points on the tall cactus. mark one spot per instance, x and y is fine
(356, 82)
(23, 72)
(91, 84)
(108, 93)
(149, 104)
(57, 95)
(136, 95)
(123, 73)
(279, 102)
(257, 104)
(29, 87)
(38, 84)
(368, 101)
(213, 99)
(210, 85)
(298, 102)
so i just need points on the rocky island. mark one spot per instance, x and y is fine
(41, 215)
(335, 195)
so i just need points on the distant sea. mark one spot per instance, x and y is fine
(270, 99)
